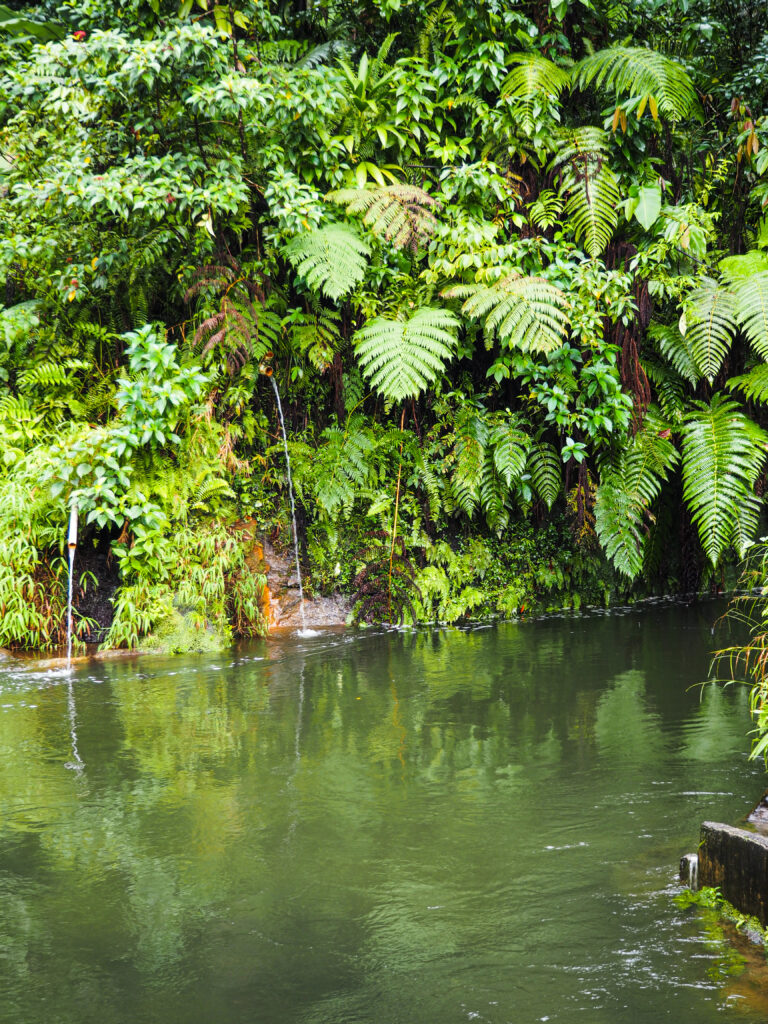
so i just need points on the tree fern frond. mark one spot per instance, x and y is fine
(626, 492)
(402, 357)
(676, 350)
(403, 214)
(342, 466)
(751, 300)
(711, 325)
(331, 259)
(509, 445)
(546, 469)
(533, 78)
(753, 384)
(590, 185)
(527, 313)
(670, 388)
(640, 73)
(469, 451)
(723, 454)
(493, 496)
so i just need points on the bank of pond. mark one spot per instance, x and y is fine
(427, 825)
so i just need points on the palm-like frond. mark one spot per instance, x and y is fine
(627, 490)
(546, 469)
(403, 214)
(331, 259)
(639, 73)
(711, 325)
(402, 357)
(590, 185)
(534, 77)
(676, 350)
(527, 313)
(509, 445)
(723, 454)
(753, 384)
(751, 301)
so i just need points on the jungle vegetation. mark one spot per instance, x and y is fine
(507, 263)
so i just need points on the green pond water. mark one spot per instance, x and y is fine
(426, 828)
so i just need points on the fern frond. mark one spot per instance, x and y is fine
(342, 466)
(723, 454)
(711, 325)
(510, 446)
(527, 313)
(590, 185)
(670, 388)
(332, 259)
(402, 214)
(676, 349)
(533, 78)
(468, 455)
(402, 357)
(545, 467)
(753, 384)
(639, 73)
(626, 492)
(751, 300)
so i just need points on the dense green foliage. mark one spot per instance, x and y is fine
(508, 264)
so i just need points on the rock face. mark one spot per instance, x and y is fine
(280, 602)
(736, 862)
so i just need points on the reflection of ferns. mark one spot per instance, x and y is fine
(386, 583)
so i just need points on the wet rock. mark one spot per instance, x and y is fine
(281, 602)
(758, 817)
(736, 861)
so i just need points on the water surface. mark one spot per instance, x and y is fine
(423, 828)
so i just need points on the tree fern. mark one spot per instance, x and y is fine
(546, 470)
(332, 259)
(710, 317)
(626, 492)
(753, 384)
(468, 457)
(590, 185)
(533, 78)
(527, 313)
(642, 74)
(676, 350)
(723, 454)
(343, 466)
(402, 214)
(401, 357)
(751, 302)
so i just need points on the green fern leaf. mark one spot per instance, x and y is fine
(751, 298)
(534, 78)
(639, 73)
(510, 450)
(711, 325)
(527, 313)
(545, 467)
(676, 350)
(402, 357)
(627, 490)
(723, 454)
(402, 214)
(590, 186)
(332, 259)
(753, 384)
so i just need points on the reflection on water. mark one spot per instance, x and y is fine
(424, 827)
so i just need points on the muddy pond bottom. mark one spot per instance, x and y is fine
(387, 828)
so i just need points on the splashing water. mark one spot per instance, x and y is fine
(304, 631)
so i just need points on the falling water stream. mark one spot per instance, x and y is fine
(293, 504)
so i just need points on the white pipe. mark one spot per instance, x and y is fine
(72, 536)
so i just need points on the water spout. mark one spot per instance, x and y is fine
(71, 545)
(689, 871)
(293, 505)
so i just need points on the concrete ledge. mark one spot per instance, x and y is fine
(736, 862)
